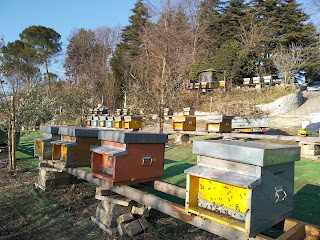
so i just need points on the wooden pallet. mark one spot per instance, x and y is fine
(293, 229)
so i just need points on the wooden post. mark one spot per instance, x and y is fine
(13, 136)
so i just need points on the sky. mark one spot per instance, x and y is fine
(66, 15)
(62, 15)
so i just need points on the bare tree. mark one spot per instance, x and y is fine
(164, 63)
(289, 60)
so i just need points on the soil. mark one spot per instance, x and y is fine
(64, 212)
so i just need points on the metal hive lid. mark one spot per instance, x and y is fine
(79, 131)
(224, 176)
(132, 137)
(49, 129)
(64, 143)
(109, 150)
(259, 154)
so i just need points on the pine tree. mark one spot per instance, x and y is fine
(129, 47)
(232, 14)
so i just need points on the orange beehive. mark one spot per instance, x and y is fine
(128, 157)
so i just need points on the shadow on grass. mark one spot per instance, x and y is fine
(307, 204)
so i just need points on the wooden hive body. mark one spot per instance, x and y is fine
(128, 157)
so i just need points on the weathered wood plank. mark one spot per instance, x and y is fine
(37, 185)
(102, 226)
(256, 136)
(170, 189)
(297, 232)
(117, 199)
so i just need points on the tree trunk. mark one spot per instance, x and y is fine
(48, 77)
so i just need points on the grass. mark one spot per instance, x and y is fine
(31, 213)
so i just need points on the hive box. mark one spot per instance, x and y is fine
(74, 146)
(244, 185)
(102, 121)
(219, 123)
(95, 121)
(132, 122)
(184, 123)
(128, 157)
(109, 122)
(42, 145)
(117, 122)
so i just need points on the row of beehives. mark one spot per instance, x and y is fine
(222, 124)
(215, 123)
(126, 122)
(246, 186)
(111, 154)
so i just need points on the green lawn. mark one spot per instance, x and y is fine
(179, 158)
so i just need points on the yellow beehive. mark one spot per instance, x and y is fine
(42, 145)
(117, 122)
(132, 122)
(219, 124)
(184, 123)
(242, 186)
(74, 146)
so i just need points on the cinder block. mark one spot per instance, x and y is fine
(135, 227)
(141, 210)
(125, 218)
(107, 213)
(121, 230)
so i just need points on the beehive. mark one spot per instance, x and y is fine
(109, 122)
(184, 123)
(88, 121)
(132, 122)
(243, 185)
(42, 145)
(74, 146)
(102, 121)
(128, 157)
(95, 121)
(117, 122)
(219, 124)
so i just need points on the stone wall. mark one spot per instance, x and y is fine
(283, 104)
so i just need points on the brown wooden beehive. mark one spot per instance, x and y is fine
(74, 146)
(128, 157)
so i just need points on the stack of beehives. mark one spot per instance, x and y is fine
(116, 213)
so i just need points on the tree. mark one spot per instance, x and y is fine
(290, 60)
(45, 42)
(18, 64)
(164, 62)
(130, 46)
(87, 61)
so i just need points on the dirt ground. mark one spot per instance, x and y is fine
(64, 212)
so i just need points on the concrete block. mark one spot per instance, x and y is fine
(107, 213)
(135, 227)
(125, 218)
(121, 230)
(141, 210)
(181, 138)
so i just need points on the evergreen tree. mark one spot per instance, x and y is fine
(130, 45)
(233, 13)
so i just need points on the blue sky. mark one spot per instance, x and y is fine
(66, 15)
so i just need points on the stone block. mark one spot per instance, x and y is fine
(141, 210)
(125, 218)
(108, 212)
(135, 227)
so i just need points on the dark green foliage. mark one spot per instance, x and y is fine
(45, 41)
(130, 45)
